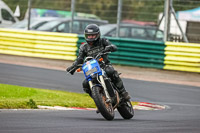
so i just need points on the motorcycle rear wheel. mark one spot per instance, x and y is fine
(104, 108)
(126, 110)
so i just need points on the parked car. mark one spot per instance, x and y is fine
(7, 17)
(34, 23)
(132, 31)
(63, 25)
(128, 21)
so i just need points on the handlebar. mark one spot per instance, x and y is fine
(75, 67)
(100, 54)
(80, 65)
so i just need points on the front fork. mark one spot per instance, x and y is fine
(108, 99)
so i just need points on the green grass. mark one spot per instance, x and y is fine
(18, 97)
(15, 97)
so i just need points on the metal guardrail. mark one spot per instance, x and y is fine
(132, 52)
(154, 54)
(138, 53)
(38, 44)
(135, 52)
(182, 56)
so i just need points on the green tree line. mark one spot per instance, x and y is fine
(142, 10)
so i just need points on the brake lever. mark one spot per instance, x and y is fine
(76, 67)
(100, 54)
(107, 52)
(69, 71)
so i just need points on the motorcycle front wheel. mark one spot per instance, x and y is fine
(105, 108)
(126, 110)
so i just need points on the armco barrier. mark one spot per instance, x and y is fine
(38, 44)
(170, 56)
(182, 57)
(136, 52)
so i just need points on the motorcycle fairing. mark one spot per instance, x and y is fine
(90, 68)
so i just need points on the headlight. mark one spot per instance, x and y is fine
(91, 71)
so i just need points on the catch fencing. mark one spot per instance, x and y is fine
(132, 11)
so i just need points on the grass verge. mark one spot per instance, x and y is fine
(18, 97)
(15, 97)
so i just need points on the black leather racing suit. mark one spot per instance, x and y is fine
(86, 50)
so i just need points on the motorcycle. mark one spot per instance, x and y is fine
(103, 91)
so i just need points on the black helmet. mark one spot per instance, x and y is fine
(92, 34)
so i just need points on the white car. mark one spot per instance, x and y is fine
(7, 17)
(63, 25)
(34, 23)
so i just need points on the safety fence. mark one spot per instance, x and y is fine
(152, 54)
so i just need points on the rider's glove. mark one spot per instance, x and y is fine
(108, 48)
(71, 70)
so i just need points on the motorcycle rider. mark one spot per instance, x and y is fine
(95, 44)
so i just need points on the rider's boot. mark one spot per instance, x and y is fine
(121, 89)
(97, 111)
(125, 95)
(114, 75)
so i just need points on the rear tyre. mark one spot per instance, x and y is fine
(104, 108)
(126, 110)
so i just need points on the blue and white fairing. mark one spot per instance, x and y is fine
(90, 68)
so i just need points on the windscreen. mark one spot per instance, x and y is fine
(106, 28)
(49, 25)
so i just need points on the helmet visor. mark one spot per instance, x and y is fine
(92, 37)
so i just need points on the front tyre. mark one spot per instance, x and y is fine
(126, 110)
(104, 108)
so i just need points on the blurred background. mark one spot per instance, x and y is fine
(139, 19)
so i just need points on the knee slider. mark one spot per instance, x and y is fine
(115, 75)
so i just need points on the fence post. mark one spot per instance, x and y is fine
(72, 15)
(29, 13)
(167, 12)
(179, 26)
(119, 11)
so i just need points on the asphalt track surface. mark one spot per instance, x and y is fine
(183, 116)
